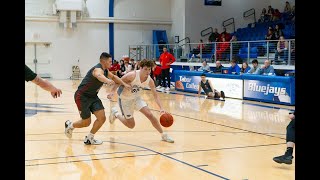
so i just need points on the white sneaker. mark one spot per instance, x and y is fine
(112, 116)
(167, 89)
(162, 88)
(159, 87)
(167, 138)
(91, 141)
(67, 129)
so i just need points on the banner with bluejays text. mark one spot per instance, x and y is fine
(268, 91)
(232, 87)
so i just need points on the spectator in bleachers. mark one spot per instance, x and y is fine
(205, 67)
(276, 15)
(137, 65)
(120, 73)
(222, 47)
(115, 67)
(287, 8)
(225, 35)
(234, 68)
(270, 34)
(196, 51)
(214, 36)
(282, 49)
(263, 15)
(132, 64)
(266, 69)
(270, 13)
(156, 74)
(235, 45)
(255, 69)
(218, 68)
(277, 32)
(245, 67)
(292, 14)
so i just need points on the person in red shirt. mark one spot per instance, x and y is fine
(166, 59)
(155, 73)
(115, 67)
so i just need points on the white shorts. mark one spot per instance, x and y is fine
(127, 106)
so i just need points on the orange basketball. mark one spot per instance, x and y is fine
(166, 120)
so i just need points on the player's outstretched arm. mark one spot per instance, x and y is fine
(46, 85)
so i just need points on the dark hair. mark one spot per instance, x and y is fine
(147, 63)
(254, 61)
(234, 61)
(242, 69)
(205, 61)
(105, 55)
(203, 74)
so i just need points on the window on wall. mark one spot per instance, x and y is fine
(212, 2)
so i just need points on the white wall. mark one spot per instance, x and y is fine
(280, 4)
(149, 9)
(178, 16)
(199, 16)
(88, 40)
(86, 43)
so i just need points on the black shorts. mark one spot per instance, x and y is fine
(87, 104)
(215, 94)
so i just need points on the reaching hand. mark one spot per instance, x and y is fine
(56, 93)
(110, 83)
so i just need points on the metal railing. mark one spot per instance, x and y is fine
(205, 32)
(227, 23)
(250, 12)
(242, 51)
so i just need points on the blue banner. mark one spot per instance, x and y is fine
(187, 83)
(277, 92)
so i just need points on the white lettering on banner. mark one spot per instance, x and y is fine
(266, 89)
(185, 79)
(192, 86)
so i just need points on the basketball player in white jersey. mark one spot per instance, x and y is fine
(130, 99)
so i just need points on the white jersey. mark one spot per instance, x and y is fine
(136, 87)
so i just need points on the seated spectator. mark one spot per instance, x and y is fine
(277, 32)
(122, 69)
(132, 63)
(276, 15)
(282, 49)
(270, 34)
(255, 69)
(263, 15)
(218, 68)
(214, 36)
(137, 65)
(115, 67)
(245, 67)
(266, 69)
(287, 8)
(196, 51)
(234, 68)
(205, 67)
(269, 13)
